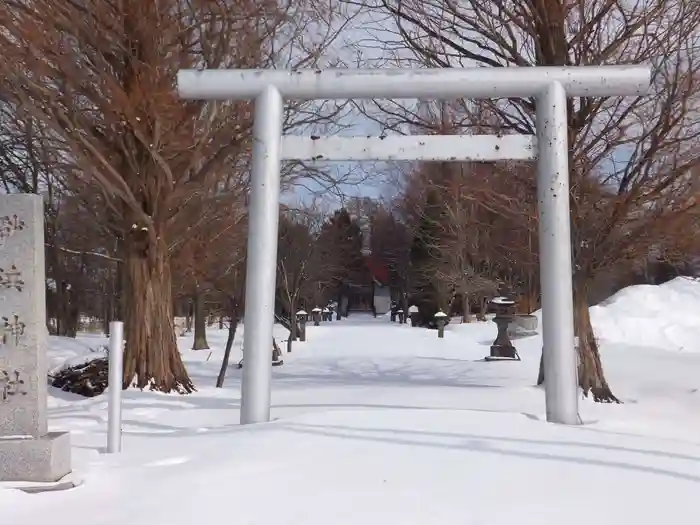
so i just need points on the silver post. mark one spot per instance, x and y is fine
(116, 373)
(561, 384)
(262, 257)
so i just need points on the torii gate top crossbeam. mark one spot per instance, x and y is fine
(435, 84)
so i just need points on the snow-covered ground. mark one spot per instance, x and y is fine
(377, 423)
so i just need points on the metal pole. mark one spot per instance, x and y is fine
(116, 374)
(561, 384)
(262, 257)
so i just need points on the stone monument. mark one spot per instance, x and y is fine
(28, 452)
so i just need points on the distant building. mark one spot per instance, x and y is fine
(368, 291)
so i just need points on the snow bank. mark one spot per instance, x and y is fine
(375, 422)
(665, 316)
(66, 352)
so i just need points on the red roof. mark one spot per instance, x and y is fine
(378, 270)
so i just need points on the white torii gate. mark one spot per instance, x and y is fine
(549, 85)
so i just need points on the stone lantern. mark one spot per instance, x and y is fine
(440, 318)
(302, 316)
(502, 348)
(413, 314)
(316, 316)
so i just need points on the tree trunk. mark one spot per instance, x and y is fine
(110, 291)
(292, 325)
(232, 327)
(72, 320)
(106, 307)
(60, 295)
(189, 316)
(483, 309)
(118, 297)
(590, 372)
(404, 306)
(200, 322)
(591, 377)
(151, 357)
(466, 310)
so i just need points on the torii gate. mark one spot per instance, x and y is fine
(550, 86)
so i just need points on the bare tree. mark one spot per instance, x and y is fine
(101, 75)
(306, 269)
(294, 253)
(459, 247)
(627, 154)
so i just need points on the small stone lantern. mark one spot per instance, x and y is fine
(441, 317)
(316, 316)
(413, 314)
(502, 348)
(393, 309)
(326, 314)
(302, 316)
(399, 312)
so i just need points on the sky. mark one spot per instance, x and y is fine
(355, 47)
(364, 43)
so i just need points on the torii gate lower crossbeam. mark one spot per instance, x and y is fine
(549, 85)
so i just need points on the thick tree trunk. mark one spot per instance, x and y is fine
(591, 377)
(590, 372)
(151, 358)
(232, 327)
(200, 322)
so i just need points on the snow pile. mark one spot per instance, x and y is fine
(665, 316)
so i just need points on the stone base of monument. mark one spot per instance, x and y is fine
(43, 459)
(68, 482)
(502, 353)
